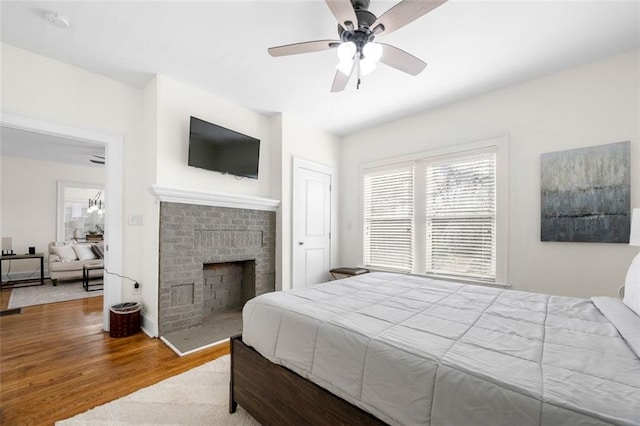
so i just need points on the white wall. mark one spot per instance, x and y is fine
(29, 202)
(176, 103)
(275, 124)
(149, 232)
(37, 87)
(593, 104)
(299, 140)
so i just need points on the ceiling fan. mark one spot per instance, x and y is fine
(98, 160)
(357, 29)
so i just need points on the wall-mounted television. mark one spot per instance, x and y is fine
(216, 148)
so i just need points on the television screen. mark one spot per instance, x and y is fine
(222, 150)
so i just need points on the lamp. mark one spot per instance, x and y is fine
(7, 246)
(631, 289)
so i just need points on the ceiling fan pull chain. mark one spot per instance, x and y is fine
(358, 85)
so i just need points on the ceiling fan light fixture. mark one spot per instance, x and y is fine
(372, 52)
(346, 51)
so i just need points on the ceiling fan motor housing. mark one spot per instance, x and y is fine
(363, 34)
(360, 4)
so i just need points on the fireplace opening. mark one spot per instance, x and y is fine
(227, 286)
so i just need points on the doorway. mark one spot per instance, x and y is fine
(113, 191)
(313, 220)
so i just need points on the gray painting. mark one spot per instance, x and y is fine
(586, 194)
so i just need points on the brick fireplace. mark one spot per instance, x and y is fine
(205, 251)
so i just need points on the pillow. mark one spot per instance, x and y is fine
(65, 253)
(84, 251)
(632, 286)
(97, 250)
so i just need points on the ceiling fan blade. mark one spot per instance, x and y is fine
(99, 156)
(340, 80)
(96, 161)
(344, 13)
(405, 12)
(304, 47)
(401, 60)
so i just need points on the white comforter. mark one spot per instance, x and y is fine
(416, 351)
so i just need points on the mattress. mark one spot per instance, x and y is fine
(417, 351)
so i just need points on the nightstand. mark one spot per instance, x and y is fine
(339, 273)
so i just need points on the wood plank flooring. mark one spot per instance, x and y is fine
(56, 362)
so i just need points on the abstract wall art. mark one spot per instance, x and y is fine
(586, 194)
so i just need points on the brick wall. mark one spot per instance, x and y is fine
(192, 236)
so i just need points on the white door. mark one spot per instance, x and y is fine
(311, 242)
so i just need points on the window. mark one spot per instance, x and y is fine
(461, 216)
(75, 219)
(388, 219)
(437, 213)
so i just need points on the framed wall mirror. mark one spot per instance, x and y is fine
(81, 211)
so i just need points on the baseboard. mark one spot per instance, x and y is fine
(147, 332)
(149, 326)
(11, 312)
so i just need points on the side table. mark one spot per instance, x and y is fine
(86, 269)
(347, 272)
(21, 257)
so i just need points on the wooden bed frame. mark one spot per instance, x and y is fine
(274, 395)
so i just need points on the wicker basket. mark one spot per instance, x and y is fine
(124, 319)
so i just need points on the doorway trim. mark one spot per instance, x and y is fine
(300, 163)
(113, 145)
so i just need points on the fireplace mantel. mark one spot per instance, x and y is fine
(216, 199)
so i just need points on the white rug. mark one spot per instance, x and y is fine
(197, 397)
(47, 293)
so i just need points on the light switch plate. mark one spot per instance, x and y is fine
(135, 220)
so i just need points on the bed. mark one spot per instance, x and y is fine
(385, 348)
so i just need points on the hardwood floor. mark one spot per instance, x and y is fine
(56, 362)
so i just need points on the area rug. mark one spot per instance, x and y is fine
(47, 293)
(197, 397)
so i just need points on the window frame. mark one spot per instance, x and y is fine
(501, 146)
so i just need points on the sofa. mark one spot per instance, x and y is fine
(66, 259)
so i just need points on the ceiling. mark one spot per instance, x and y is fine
(471, 47)
(37, 146)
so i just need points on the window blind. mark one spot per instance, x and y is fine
(461, 216)
(388, 219)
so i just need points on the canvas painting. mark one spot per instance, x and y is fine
(586, 194)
